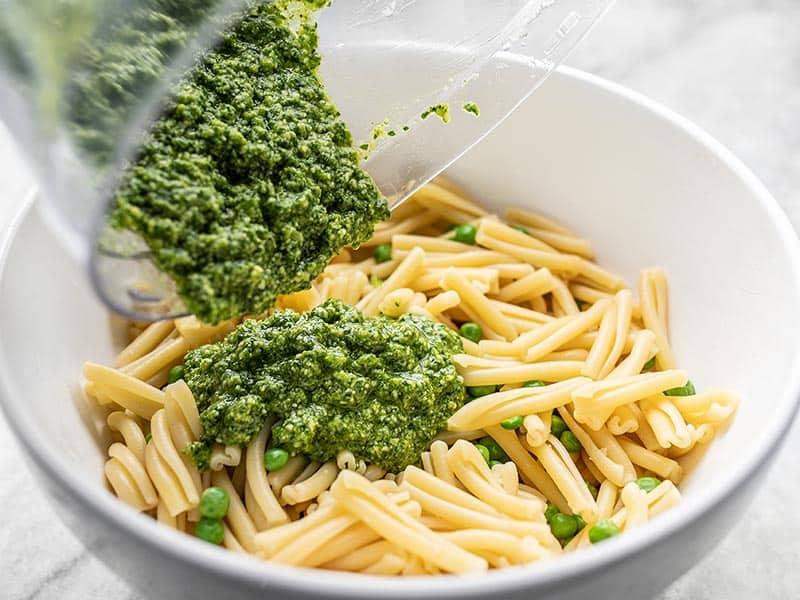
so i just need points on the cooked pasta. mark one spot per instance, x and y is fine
(575, 430)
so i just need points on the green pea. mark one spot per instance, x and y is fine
(275, 458)
(520, 228)
(209, 530)
(592, 490)
(557, 426)
(603, 530)
(648, 484)
(481, 390)
(571, 443)
(580, 521)
(550, 511)
(534, 383)
(383, 253)
(175, 374)
(484, 452)
(512, 423)
(375, 281)
(581, 304)
(649, 364)
(495, 451)
(471, 331)
(686, 390)
(214, 503)
(492, 463)
(465, 234)
(563, 526)
(148, 437)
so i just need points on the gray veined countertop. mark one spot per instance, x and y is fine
(731, 66)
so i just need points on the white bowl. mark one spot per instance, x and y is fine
(645, 185)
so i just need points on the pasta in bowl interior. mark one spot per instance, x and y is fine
(576, 426)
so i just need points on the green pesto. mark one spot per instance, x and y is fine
(380, 130)
(249, 183)
(440, 110)
(128, 58)
(337, 380)
(471, 107)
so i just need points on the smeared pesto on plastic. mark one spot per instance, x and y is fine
(249, 183)
(472, 108)
(440, 110)
(337, 380)
(127, 58)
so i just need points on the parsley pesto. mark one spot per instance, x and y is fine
(249, 183)
(379, 387)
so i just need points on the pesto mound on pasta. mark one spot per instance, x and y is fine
(379, 387)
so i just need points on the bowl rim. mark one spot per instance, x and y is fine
(264, 574)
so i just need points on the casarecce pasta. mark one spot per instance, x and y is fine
(577, 421)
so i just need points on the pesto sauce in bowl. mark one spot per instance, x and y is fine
(249, 183)
(379, 387)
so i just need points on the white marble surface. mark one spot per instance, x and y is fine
(732, 66)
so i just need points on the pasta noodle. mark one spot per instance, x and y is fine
(572, 369)
(261, 493)
(594, 402)
(129, 479)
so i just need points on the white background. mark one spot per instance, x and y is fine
(733, 67)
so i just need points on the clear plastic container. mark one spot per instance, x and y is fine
(80, 121)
